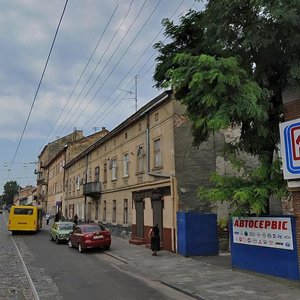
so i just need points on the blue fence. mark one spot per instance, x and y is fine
(197, 234)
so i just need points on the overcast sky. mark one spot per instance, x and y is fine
(100, 47)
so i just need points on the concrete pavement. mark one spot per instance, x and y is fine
(209, 278)
(203, 278)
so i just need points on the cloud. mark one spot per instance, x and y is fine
(65, 100)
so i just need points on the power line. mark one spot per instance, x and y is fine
(111, 73)
(127, 74)
(86, 65)
(110, 58)
(38, 88)
(122, 57)
(118, 29)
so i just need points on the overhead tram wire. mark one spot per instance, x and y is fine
(127, 74)
(86, 65)
(99, 61)
(68, 114)
(126, 87)
(122, 57)
(38, 88)
(141, 77)
(110, 58)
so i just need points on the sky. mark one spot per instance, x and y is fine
(102, 54)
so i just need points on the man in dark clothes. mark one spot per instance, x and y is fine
(57, 217)
(155, 239)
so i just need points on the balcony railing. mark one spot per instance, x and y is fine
(92, 189)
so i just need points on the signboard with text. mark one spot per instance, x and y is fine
(290, 148)
(272, 232)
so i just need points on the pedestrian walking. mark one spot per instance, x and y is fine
(155, 239)
(47, 218)
(57, 217)
(76, 219)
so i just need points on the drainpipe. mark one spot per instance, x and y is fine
(86, 171)
(148, 145)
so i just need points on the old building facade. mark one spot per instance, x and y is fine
(42, 171)
(56, 172)
(142, 173)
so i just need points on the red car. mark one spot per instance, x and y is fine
(86, 236)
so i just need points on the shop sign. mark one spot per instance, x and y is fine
(265, 232)
(290, 148)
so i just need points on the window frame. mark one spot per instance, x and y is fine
(126, 165)
(157, 153)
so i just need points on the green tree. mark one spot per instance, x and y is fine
(11, 188)
(229, 65)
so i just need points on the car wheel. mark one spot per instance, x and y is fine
(107, 248)
(56, 240)
(80, 249)
(70, 244)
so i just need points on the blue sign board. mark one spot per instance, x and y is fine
(267, 258)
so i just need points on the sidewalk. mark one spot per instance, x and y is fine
(209, 278)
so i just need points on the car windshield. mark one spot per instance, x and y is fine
(93, 228)
(65, 227)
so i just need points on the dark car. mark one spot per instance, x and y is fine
(60, 231)
(86, 236)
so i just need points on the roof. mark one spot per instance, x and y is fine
(153, 104)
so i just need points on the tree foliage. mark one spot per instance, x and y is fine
(229, 65)
(11, 188)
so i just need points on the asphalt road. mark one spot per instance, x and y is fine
(59, 272)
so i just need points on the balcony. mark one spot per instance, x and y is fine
(92, 189)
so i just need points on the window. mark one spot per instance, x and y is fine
(125, 214)
(126, 135)
(105, 172)
(113, 165)
(156, 117)
(157, 154)
(23, 211)
(78, 182)
(104, 211)
(125, 165)
(97, 171)
(114, 212)
(140, 159)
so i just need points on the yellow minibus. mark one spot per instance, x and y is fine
(25, 218)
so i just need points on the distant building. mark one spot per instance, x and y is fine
(55, 169)
(25, 195)
(47, 154)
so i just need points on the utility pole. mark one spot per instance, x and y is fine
(133, 93)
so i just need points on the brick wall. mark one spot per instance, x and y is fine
(292, 110)
(296, 206)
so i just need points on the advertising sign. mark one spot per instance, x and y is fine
(290, 148)
(265, 232)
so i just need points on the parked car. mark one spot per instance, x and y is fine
(60, 231)
(86, 236)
